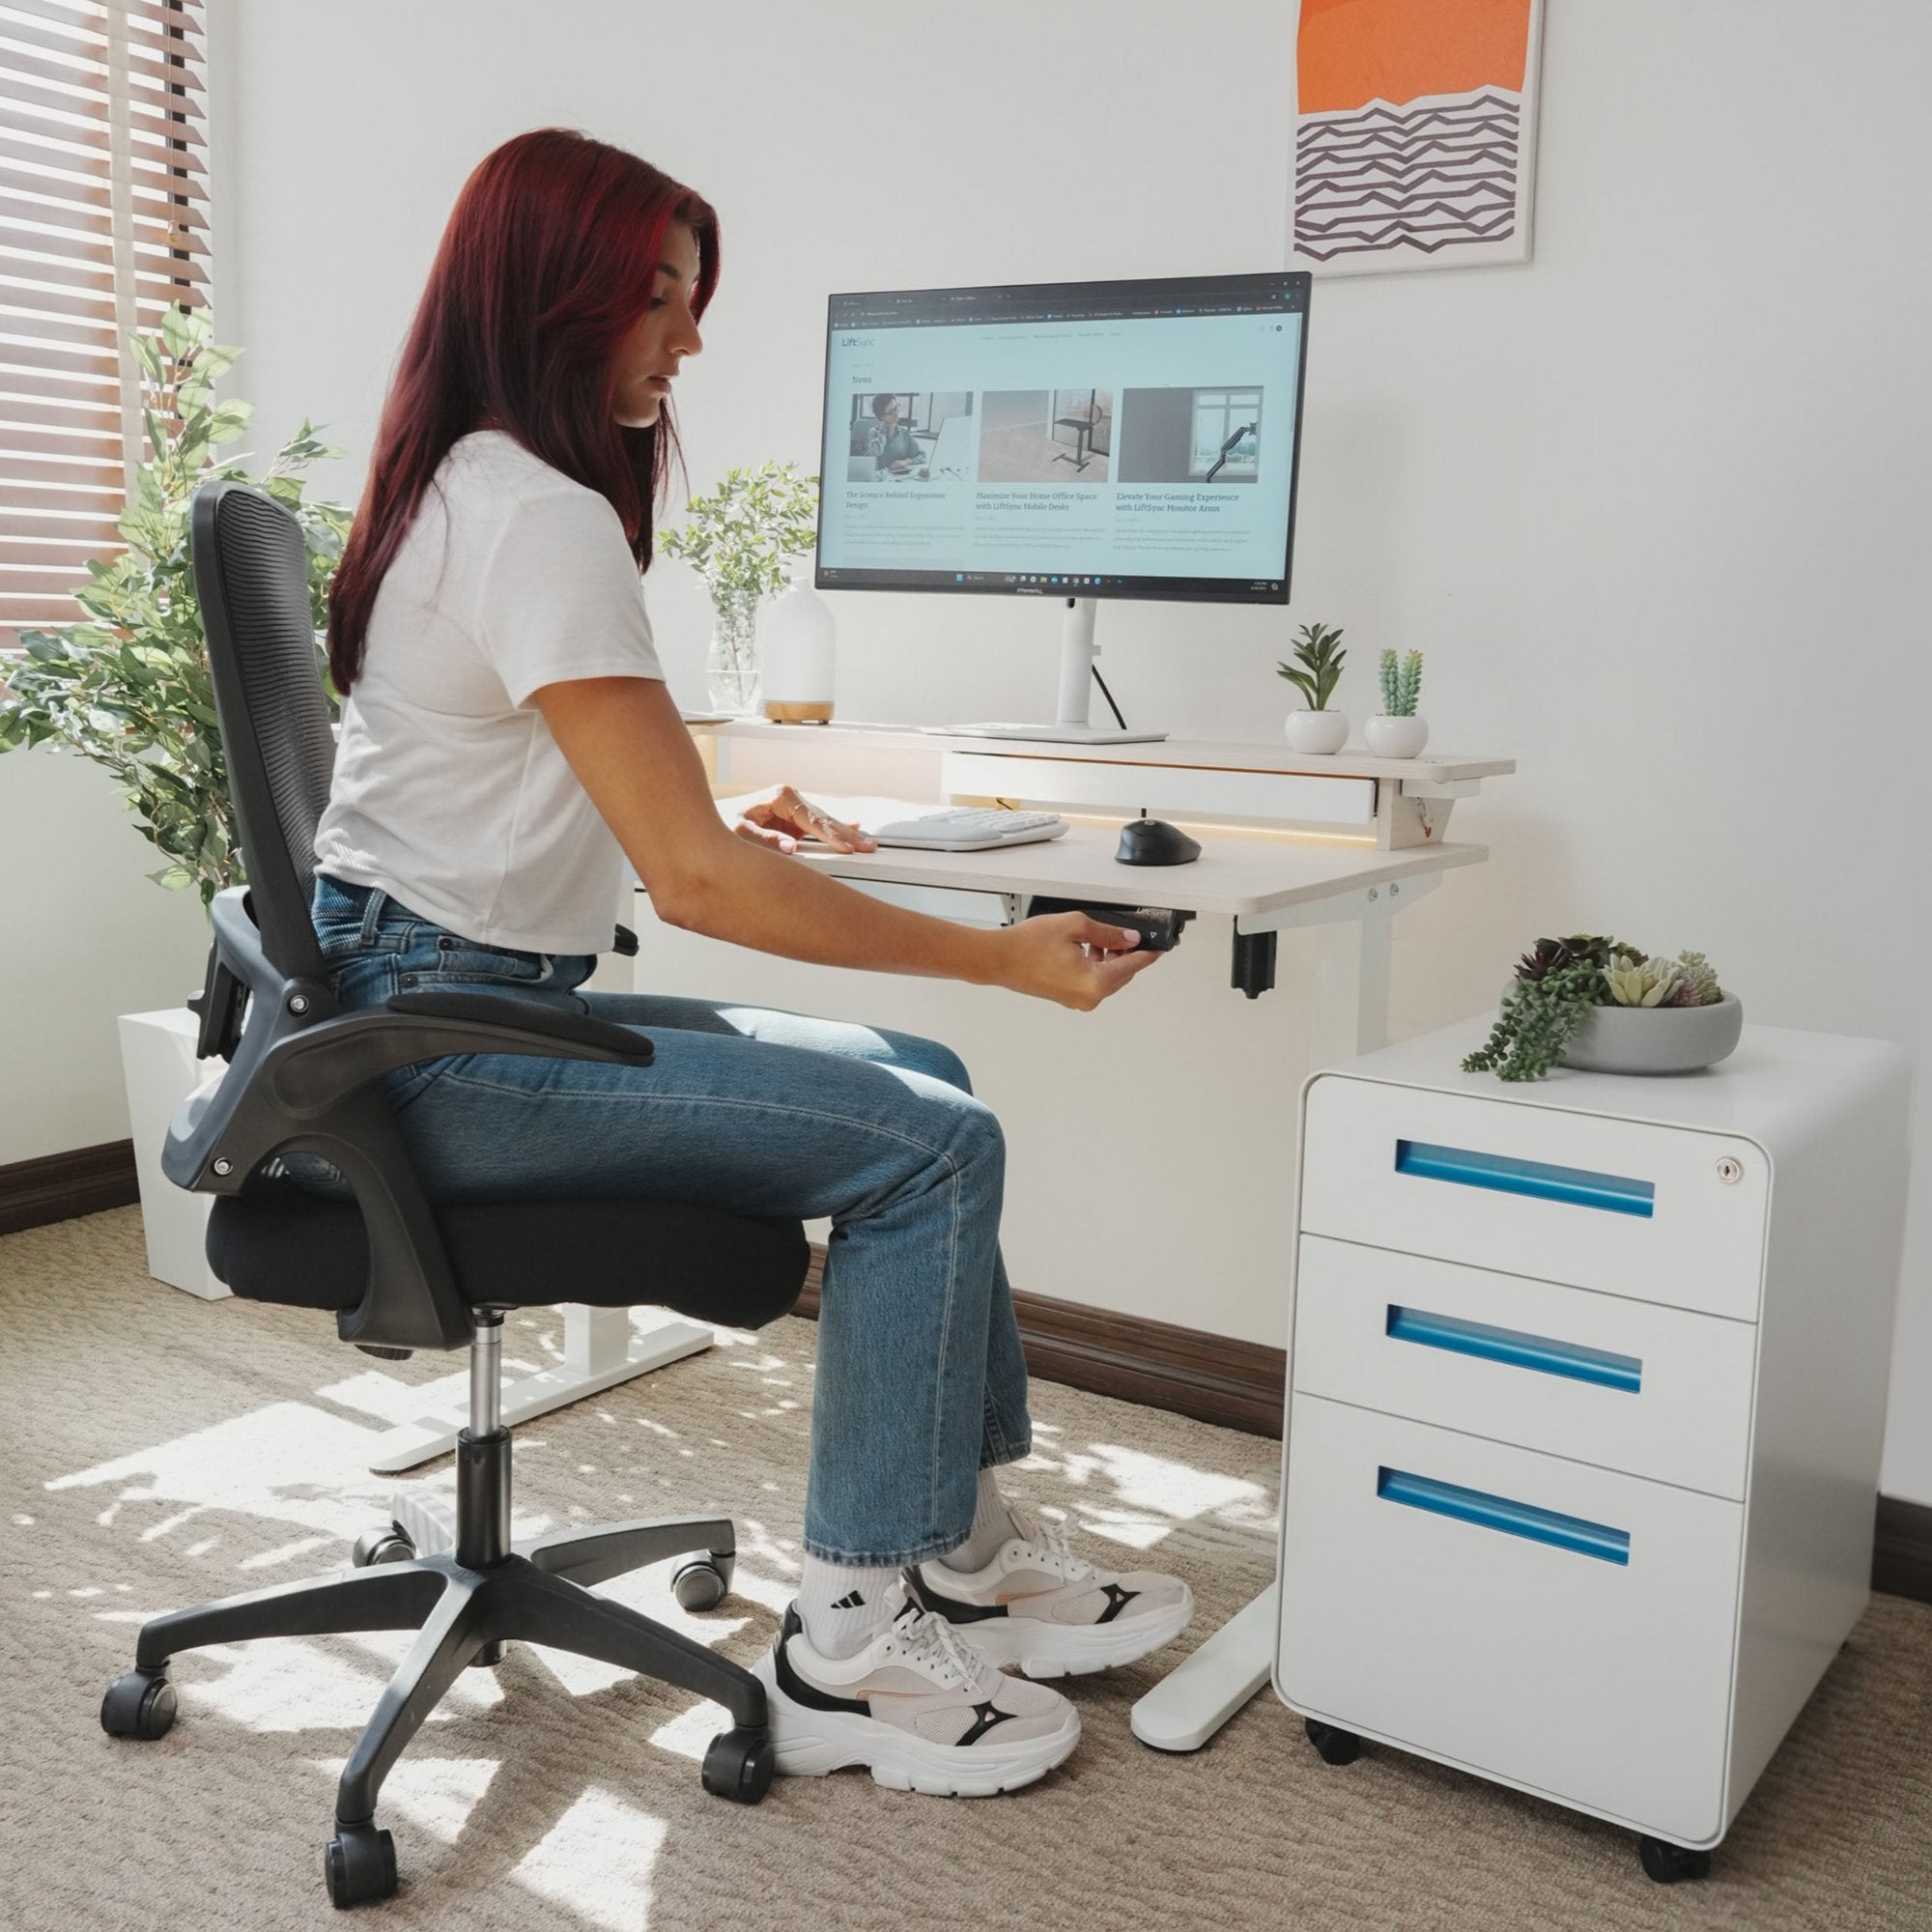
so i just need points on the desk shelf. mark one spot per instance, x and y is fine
(1392, 804)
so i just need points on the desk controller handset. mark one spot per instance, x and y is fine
(1159, 926)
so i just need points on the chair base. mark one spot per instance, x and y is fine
(537, 1593)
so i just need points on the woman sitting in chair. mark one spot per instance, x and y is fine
(507, 746)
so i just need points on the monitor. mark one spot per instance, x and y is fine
(1075, 440)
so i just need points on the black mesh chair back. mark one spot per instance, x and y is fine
(251, 578)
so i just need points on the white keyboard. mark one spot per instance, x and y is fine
(969, 828)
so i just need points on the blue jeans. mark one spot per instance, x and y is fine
(921, 1380)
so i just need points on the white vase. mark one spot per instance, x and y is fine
(1390, 737)
(1317, 733)
(731, 665)
(797, 656)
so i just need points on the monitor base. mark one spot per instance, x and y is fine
(1055, 734)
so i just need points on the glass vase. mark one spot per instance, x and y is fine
(731, 665)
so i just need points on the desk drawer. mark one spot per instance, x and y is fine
(1540, 1621)
(1628, 1207)
(1655, 1392)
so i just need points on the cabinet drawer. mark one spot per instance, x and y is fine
(1541, 1622)
(1624, 1205)
(1657, 1392)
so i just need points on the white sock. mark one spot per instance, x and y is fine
(992, 1527)
(840, 1607)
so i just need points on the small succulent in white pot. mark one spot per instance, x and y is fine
(1396, 732)
(1315, 673)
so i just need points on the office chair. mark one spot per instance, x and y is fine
(398, 1271)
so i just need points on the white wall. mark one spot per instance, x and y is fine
(1651, 503)
(86, 936)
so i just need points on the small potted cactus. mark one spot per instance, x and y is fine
(1315, 673)
(1603, 1006)
(1396, 732)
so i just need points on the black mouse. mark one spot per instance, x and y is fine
(1153, 841)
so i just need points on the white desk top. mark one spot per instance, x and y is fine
(1243, 874)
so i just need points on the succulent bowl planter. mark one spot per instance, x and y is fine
(1656, 1040)
(1601, 1005)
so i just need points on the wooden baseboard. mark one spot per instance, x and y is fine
(1902, 1554)
(1239, 1385)
(57, 1186)
(1235, 1384)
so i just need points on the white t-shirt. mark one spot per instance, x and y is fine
(449, 791)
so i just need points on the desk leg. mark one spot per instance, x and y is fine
(601, 1347)
(1204, 1690)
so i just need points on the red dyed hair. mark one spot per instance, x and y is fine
(549, 257)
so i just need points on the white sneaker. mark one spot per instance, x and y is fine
(917, 1708)
(1040, 1609)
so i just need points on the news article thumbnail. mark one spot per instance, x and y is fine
(911, 435)
(1190, 435)
(1046, 436)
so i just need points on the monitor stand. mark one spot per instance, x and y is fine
(1077, 652)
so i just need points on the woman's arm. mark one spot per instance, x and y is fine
(632, 754)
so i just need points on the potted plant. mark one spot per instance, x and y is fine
(1396, 732)
(1315, 673)
(127, 686)
(737, 539)
(1602, 1005)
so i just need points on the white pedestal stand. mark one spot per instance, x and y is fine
(157, 1061)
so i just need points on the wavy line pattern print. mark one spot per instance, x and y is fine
(1414, 133)
(1427, 177)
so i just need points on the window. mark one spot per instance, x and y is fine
(103, 223)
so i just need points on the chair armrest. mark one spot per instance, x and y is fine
(308, 1072)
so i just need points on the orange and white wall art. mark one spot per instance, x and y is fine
(1414, 133)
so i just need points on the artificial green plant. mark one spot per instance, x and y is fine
(1561, 979)
(128, 685)
(739, 536)
(1402, 684)
(1319, 656)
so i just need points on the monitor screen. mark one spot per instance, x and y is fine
(1069, 440)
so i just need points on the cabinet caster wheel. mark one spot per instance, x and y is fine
(382, 1546)
(358, 1864)
(701, 1583)
(139, 1705)
(1669, 1864)
(739, 1764)
(1337, 1746)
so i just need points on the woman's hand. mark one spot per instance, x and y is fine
(1067, 957)
(781, 822)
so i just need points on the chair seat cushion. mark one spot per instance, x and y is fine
(284, 1243)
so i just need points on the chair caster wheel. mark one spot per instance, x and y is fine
(1669, 1864)
(701, 1583)
(382, 1546)
(1337, 1746)
(739, 1764)
(139, 1705)
(358, 1864)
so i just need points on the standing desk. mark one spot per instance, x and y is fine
(1290, 841)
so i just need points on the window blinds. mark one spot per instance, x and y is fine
(103, 223)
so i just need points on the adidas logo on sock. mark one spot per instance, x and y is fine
(851, 1602)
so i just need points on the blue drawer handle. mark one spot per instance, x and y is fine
(1516, 1347)
(1576, 1186)
(1539, 1526)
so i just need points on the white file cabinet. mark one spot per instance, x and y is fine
(1586, 1390)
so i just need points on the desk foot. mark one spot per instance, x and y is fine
(601, 1348)
(1204, 1690)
